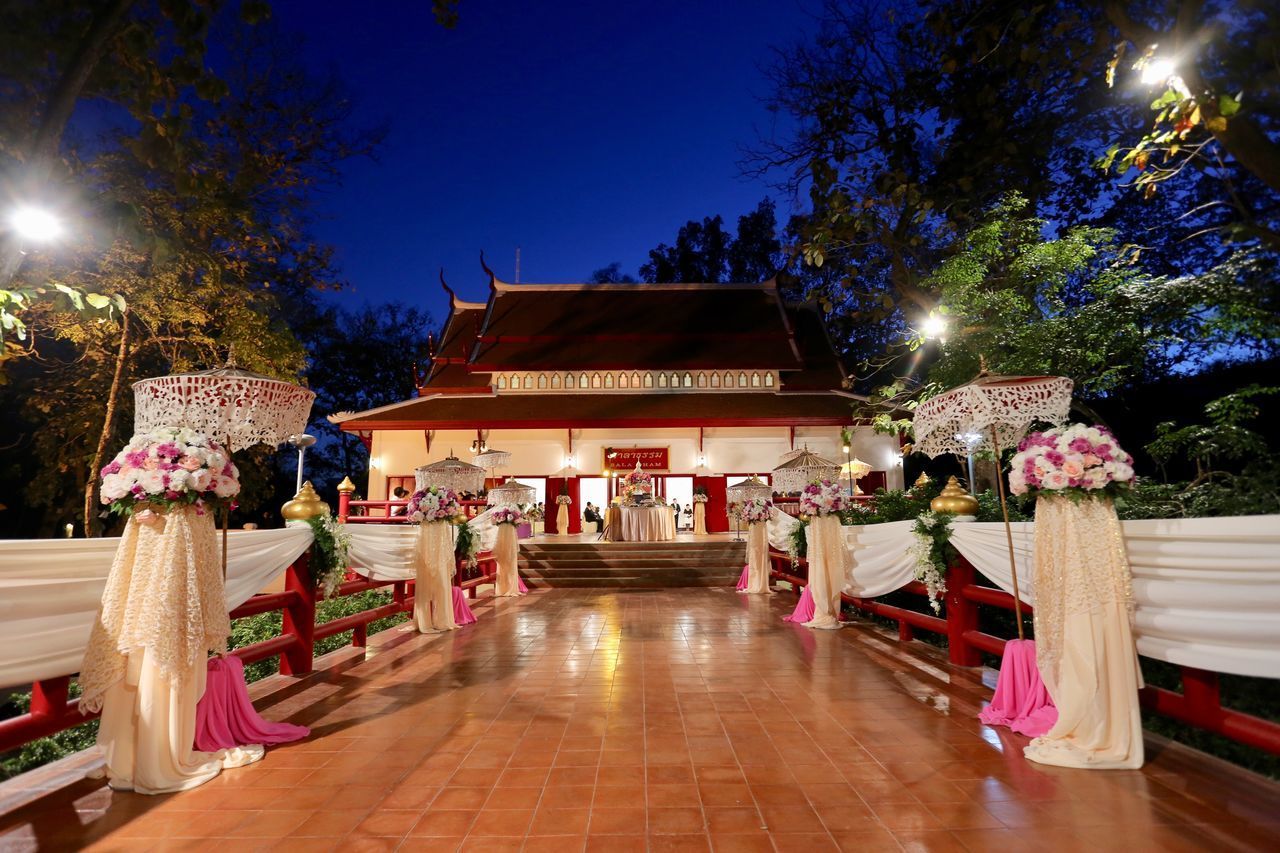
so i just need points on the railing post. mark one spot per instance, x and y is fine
(962, 614)
(299, 619)
(1203, 696)
(49, 697)
(345, 489)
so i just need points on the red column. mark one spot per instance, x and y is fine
(299, 619)
(962, 614)
(717, 502)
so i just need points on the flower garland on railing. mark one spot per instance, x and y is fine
(932, 554)
(330, 547)
(168, 467)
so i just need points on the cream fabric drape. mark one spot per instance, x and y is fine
(148, 728)
(699, 518)
(50, 591)
(164, 595)
(881, 559)
(1084, 648)
(433, 597)
(758, 558)
(507, 555)
(828, 570)
(562, 520)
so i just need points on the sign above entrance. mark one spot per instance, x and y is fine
(626, 458)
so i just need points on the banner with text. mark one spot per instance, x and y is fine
(625, 458)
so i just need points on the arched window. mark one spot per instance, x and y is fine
(715, 380)
(702, 379)
(648, 380)
(688, 380)
(755, 380)
(608, 380)
(662, 380)
(555, 380)
(542, 381)
(502, 382)
(728, 379)
(595, 380)
(568, 380)
(583, 381)
(528, 381)
(675, 380)
(635, 380)
(768, 380)
(742, 380)
(624, 381)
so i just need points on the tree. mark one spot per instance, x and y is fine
(612, 274)
(704, 252)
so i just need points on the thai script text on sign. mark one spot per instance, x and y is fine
(625, 458)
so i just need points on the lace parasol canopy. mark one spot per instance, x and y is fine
(749, 489)
(511, 493)
(450, 473)
(801, 470)
(493, 459)
(227, 404)
(962, 420)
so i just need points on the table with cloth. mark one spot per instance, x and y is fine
(648, 523)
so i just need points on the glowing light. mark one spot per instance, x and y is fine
(32, 223)
(1156, 72)
(934, 327)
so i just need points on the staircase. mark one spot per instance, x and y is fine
(632, 564)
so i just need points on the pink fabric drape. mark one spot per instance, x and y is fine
(744, 580)
(225, 716)
(462, 614)
(804, 608)
(1021, 700)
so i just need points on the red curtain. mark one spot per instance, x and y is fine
(717, 521)
(575, 508)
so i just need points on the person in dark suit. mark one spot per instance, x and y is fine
(591, 514)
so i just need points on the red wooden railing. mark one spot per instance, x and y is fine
(52, 711)
(1199, 704)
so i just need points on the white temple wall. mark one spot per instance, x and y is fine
(543, 452)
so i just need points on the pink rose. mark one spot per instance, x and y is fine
(190, 463)
(1072, 468)
(1055, 480)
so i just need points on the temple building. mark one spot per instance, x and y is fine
(700, 384)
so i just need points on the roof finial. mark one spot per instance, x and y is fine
(453, 297)
(485, 267)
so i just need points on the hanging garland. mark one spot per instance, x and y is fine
(330, 546)
(933, 553)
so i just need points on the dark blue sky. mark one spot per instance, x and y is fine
(584, 133)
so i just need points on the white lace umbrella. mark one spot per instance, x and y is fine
(238, 407)
(801, 470)
(747, 490)
(992, 413)
(493, 459)
(450, 473)
(511, 493)
(855, 469)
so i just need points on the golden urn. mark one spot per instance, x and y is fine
(955, 500)
(305, 504)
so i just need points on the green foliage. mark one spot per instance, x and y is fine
(798, 546)
(467, 544)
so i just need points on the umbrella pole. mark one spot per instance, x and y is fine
(1008, 532)
(226, 521)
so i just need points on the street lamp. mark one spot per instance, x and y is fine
(934, 327)
(1155, 72)
(35, 224)
(301, 441)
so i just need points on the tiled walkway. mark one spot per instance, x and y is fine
(689, 719)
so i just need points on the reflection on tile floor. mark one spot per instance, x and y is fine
(691, 719)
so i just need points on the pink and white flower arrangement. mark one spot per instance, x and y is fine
(756, 511)
(166, 467)
(637, 481)
(823, 497)
(434, 504)
(564, 500)
(1072, 459)
(507, 515)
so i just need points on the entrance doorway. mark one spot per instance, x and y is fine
(595, 490)
(679, 490)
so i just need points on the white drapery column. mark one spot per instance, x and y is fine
(758, 558)
(827, 557)
(432, 598)
(507, 555)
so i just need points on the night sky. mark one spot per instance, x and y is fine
(584, 133)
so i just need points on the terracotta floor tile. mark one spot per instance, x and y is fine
(685, 719)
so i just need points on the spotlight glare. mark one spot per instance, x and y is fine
(1157, 71)
(32, 223)
(934, 327)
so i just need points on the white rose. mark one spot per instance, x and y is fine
(1017, 482)
(178, 480)
(1055, 480)
(225, 487)
(1123, 472)
(113, 487)
(199, 480)
(152, 482)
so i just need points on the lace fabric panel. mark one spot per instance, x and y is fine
(960, 421)
(246, 409)
(1080, 565)
(164, 594)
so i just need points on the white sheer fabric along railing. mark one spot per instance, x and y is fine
(1207, 589)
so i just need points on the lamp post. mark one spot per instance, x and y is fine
(301, 441)
(27, 223)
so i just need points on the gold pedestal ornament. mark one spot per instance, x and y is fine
(921, 481)
(346, 485)
(305, 504)
(955, 500)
